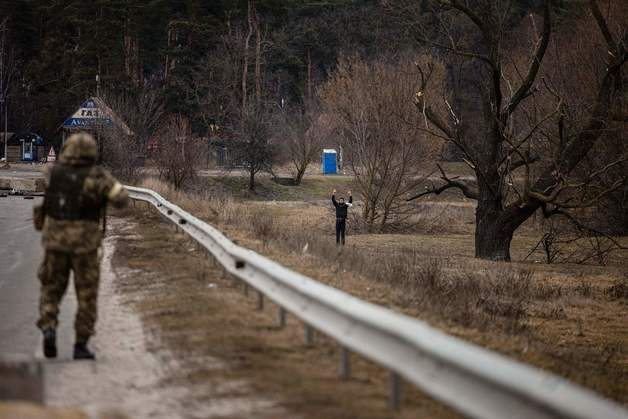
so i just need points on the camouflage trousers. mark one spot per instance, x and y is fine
(54, 274)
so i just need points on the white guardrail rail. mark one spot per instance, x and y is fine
(473, 381)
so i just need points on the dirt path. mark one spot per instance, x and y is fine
(136, 374)
(126, 376)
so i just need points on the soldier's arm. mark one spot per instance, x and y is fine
(118, 195)
(112, 189)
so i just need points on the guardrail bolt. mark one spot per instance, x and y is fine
(345, 365)
(281, 317)
(260, 301)
(308, 335)
(239, 264)
(394, 391)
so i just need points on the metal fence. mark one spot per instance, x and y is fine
(474, 381)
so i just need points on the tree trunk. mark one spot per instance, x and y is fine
(299, 177)
(492, 238)
(495, 226)
(258, 61)
(251, 179)
(245, 64)
(493, 230)
(309, 75)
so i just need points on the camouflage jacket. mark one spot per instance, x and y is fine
(83, 236)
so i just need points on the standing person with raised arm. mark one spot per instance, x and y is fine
(342, 209)
(77, 193)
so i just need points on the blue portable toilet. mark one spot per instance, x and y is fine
(330, 165)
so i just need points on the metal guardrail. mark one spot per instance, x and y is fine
(474, 381)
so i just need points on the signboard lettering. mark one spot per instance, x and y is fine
(87, 115)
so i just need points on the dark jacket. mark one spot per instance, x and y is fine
(341, 209)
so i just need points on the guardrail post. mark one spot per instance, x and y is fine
(281, 317)
(260, 301)
(345, 365)
(394, 390)
(246, 289)
(308, 335)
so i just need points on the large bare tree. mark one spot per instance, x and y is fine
(524, 154)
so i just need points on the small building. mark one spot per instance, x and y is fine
(330, 161)
(26, 147)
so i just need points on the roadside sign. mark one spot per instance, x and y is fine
(87, 115)
(52, 156)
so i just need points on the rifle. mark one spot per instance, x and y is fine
(104, 219)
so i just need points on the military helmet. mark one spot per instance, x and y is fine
(80, 148)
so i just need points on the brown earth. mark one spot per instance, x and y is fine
(24, 410)
(195, 313)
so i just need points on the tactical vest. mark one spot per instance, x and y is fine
(65, 197)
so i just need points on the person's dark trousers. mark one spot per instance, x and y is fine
(341, 225)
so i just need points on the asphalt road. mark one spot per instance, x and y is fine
(20, 255)
(126, 378)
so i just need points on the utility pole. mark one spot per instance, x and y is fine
(6, 70)
(6, 139)
(6, 158)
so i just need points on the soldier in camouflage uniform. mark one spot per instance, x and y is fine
(77, 192)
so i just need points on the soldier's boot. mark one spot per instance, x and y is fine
(50, 343)
(81, 351)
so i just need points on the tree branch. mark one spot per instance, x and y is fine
(601, 23)
(535, 65)
(456, 4)
(469, 190)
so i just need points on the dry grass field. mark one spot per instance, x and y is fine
(194, 313)
(571, 319)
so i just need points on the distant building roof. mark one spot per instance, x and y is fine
(93, 112)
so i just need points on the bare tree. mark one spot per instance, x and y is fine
(179, 153)
(519, 137)
(252, 146)
(369, 103)
(302, 132)
(142, 112)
